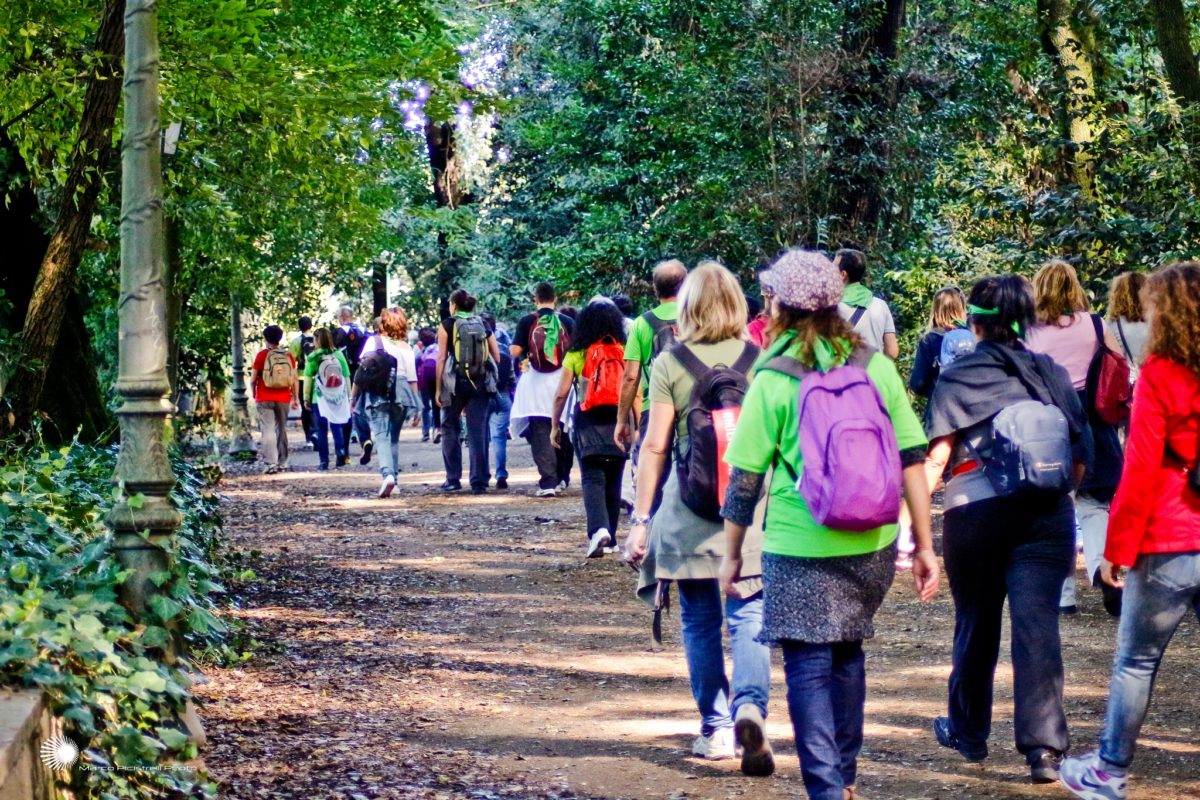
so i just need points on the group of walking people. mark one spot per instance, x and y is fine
(777, 474)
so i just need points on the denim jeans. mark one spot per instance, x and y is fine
(358, 424)
(321, 437)
(1019, 549)
(1091, 514)
(386, 423)
(499, 413)
(827, 690)
(1159, 591)
(431, 415)
(701, 614)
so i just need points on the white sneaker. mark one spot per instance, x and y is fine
(717, 746)
(562, 487)
(597, 543)
(545, 493)
(385, 488)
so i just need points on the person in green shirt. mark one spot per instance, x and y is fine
(821, 587)
(330, 408)
(302, 346)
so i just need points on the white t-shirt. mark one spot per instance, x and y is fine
(406, 358)
(875, 322)
(1131, 338)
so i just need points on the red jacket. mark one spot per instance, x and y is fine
(1154, 511)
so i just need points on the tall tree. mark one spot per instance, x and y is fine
(1174, 41)
(1067, 29)
(80, 193)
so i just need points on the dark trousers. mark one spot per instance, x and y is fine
(358, 425)
(306, 418)
(474, 406)
(431, 415)
(553, 464)
(600, 477)
(827, 690)
(1021, 549)
(323, 429)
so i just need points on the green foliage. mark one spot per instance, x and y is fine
(64, 631)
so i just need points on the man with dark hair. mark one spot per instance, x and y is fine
(274, 385)
(868, 314)
(349, 337)
(542, 337)
(650, 334)
(301, 346)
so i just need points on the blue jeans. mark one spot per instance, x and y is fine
(499, 413)
(386, 423)
(1159, 591)
(701, 614)
(827, 689)
(431, 416)
(358, 424)
(321, 437)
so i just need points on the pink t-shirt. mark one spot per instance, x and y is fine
(1071, 342)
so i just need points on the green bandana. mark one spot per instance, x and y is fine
(857, 295)
(977, 311)
(553, 327)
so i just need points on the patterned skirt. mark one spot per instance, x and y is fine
(824, 600)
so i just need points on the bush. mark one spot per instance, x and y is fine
(62, 629)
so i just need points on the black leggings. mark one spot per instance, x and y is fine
(602, 492)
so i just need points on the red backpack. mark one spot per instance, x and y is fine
(603, 370)
(537, 346)
(1108, 386)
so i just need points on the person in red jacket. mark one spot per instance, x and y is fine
(1153, 545)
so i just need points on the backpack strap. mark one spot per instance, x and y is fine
(1098, 325)
(690, 361)
(862, 355)
(788, 366)
(746, 360)
(857, 316)
(656, 324)
(1124, 341)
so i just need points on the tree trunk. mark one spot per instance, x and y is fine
(1067, 36)
(859, 171)
(1174, 41)
(55, 281)
(379, 279)
(447, 193)
(174, 268)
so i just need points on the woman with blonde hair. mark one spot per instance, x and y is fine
(1127, 318)
(1154, 531)
(1065, 330)
(948, 312)
(687, 547)
(390, 401)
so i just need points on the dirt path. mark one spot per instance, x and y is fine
(461, 647)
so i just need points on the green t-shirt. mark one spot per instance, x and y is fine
(640, 344)
(573, 361)
(769, 425)
(311, 367)
(670, 381)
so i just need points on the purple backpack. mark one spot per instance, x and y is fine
(851, 479)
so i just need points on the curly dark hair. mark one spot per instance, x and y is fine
(596, 321)
(1174, 294)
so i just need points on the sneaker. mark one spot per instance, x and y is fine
(562, 487)
(501, 484)
(385, 488)
(717, 746)
(323, 467)
(343, 461)
(451, 486)
(437, 438)
(309, 446)
(425, 438)
(751, 733)
(946, 737)
(545, 493)
(904, 562)
(478, 490)
(271, 469)
(1090, 778)
(1044, 764)
(596, 543)
(1067, 611)
(365, 458)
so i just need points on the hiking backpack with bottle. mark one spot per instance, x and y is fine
(664, 334)
(349, 340)
(279, 371)
(710, 417)
(602, 373)
(538, 334)
(469, 349)
(377, 373)
(851, 478)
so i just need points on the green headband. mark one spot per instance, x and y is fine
(976, 311)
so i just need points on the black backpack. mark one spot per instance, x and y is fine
(711, 414)
(307, 345)
(665, 334)
(377, 373)
(350, 343)
(469, 347)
